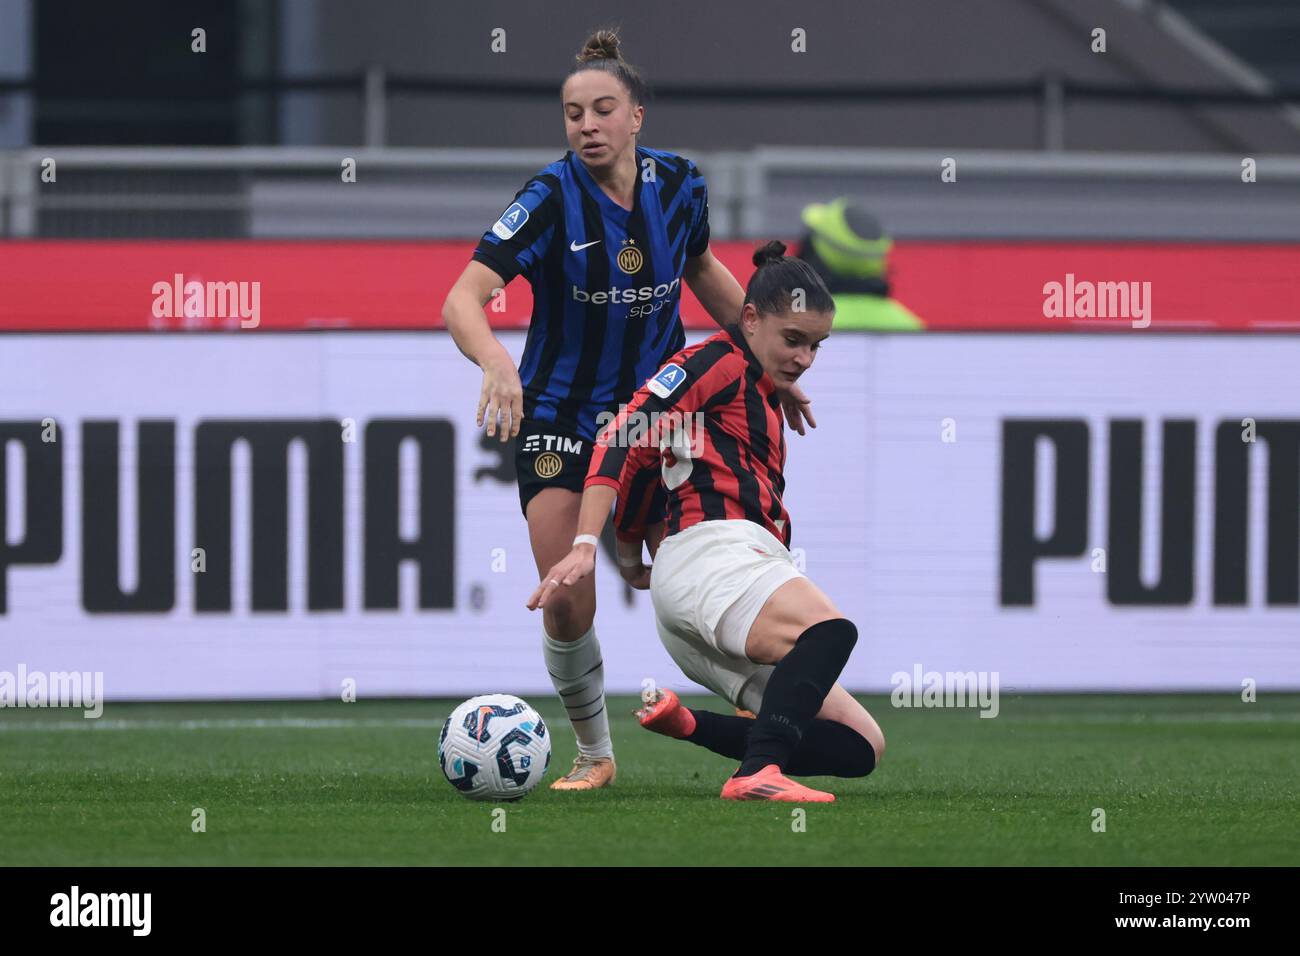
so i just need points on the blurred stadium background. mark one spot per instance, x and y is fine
(963, 480)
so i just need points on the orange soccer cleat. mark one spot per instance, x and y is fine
(664, 714)
(770, 784)
(588, 773)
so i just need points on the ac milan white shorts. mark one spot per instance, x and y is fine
(708, 584)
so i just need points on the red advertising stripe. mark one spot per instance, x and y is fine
(75, 285)
(955, 285)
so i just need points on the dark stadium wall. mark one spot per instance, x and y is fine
(106, 77)
(867, 45)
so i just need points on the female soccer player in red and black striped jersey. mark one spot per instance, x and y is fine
(731, 607)
(605, 237)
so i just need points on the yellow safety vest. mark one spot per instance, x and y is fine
(879, 314)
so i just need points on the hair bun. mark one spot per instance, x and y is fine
(771, 251)
(601, 45)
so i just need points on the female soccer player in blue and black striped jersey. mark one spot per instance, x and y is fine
(605, 236)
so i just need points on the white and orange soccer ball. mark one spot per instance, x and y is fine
(494, 747)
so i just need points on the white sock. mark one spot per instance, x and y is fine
(578, 673)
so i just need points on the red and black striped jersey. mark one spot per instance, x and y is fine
(708, 425)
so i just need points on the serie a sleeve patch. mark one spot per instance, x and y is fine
(510, 222)
(668, 380)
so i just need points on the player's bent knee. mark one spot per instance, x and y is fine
(863, 757)
(871, 732)
(568, 619)
(841, 707)
(839, 631)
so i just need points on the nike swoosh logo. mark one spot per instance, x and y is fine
(574, 247)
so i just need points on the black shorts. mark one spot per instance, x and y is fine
(550, 457)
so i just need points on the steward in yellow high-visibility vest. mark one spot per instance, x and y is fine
(848, 248)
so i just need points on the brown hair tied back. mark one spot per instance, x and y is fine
(771, 288)
(768, 251)
(601, 45)
(601, 52)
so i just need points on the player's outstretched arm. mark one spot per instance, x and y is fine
(502, 395)
(597, 500)
(715, 287)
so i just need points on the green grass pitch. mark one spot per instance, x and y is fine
(1183, 780)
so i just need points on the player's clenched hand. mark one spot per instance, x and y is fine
(797, 406)
(575, 566)
(628, 553)
(502, 397)
(638, 576)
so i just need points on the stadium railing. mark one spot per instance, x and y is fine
(275, 192)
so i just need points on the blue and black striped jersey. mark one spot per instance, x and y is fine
(606, 281)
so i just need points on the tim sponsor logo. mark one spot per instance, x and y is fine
(75, 908)
(570, 446)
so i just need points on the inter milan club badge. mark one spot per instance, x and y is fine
(547, 465)
(629, 257)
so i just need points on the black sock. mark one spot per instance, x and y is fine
(795, 692)
(721, 733)
(828, 749)
(831, 749)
